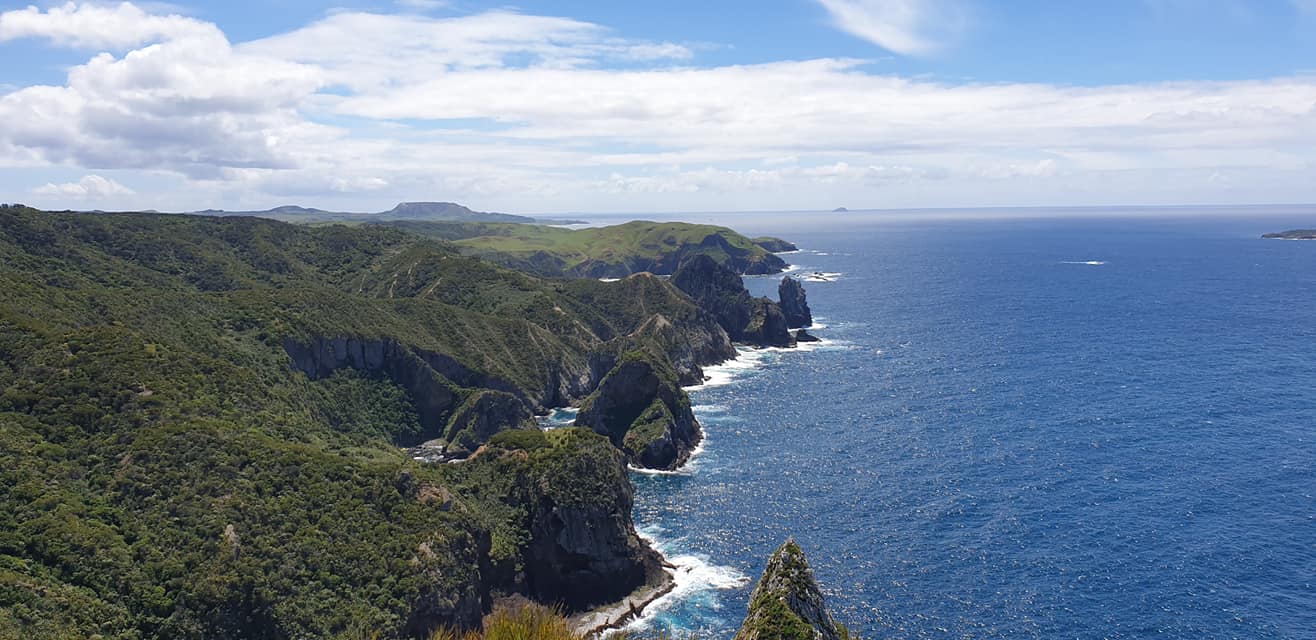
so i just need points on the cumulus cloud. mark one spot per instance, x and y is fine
(89, 26)
(909, 27)
(518, 108)
(90, 186)
(188, 103)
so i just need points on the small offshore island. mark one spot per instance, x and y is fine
(1295, 234)
(236, 427)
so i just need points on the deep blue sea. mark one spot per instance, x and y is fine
(1098, 425)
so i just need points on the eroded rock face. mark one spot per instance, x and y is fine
(794, 304)
(483, 414)
(767, 325)
(787, 604)
(640, 407)
(720, 291)
(775, 245)
(583, 549)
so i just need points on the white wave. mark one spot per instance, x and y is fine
(717, 375)
(694, 576)
(609, 279)
(1094, 263)
(558, 418)
(822, 276)
(709, 408)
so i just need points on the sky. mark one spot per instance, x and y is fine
(588, 106)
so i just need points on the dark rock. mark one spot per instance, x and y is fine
(804, 336)
(583, 549)
(794, 303)
(775, 245)
(767, 325)
(483, 414)
(720, 291)
(642, 409)
(787, 603)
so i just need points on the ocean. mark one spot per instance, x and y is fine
(1046, 424)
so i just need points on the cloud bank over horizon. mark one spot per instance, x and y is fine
(521, 112)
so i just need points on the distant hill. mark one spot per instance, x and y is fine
(602, 252)
(1295, 234)
(423, 211)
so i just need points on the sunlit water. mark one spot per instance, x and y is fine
(1091, 428)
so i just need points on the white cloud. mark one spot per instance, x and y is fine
(557, 113)
(90, 26)
(909, 27)
(189, 103)
(91, 186)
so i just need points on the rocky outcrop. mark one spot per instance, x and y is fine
(640, 407)
(804, 336)
(775, 245)
(794, 303)
(483, 414)
(695, 342)
(583, 550)
(720, 291)
(787, 604)
(767, 325)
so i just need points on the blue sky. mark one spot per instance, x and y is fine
(606, 106)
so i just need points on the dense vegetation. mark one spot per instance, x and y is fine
(602, 252)
(169, 468)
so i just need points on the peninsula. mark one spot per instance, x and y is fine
(210, 425)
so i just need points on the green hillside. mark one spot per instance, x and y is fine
(201, 421)
(601, 252)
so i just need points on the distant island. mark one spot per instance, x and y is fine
(419, 211)
(840, 210)
(1294, 234)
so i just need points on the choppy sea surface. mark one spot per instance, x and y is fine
(1098, 424)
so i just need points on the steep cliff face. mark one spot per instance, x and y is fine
(483, 414)
(720, 291)
(583, 550)
(794, 304)
(787, 604)
(775, 245)
(767, 325)
(640, 407)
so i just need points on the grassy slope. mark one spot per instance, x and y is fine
(147, 409)
(598, 251)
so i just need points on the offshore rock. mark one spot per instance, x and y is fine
(804, 336)
(720, 291)
(787, 604)
(794, 303)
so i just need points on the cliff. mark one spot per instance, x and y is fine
(202, 419)
(787, 604)
(775, 245)
(720, 291)
(642, 409)
(794, 303)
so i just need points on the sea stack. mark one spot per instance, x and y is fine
(787, 603)
(721, 292)
(794, 303)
